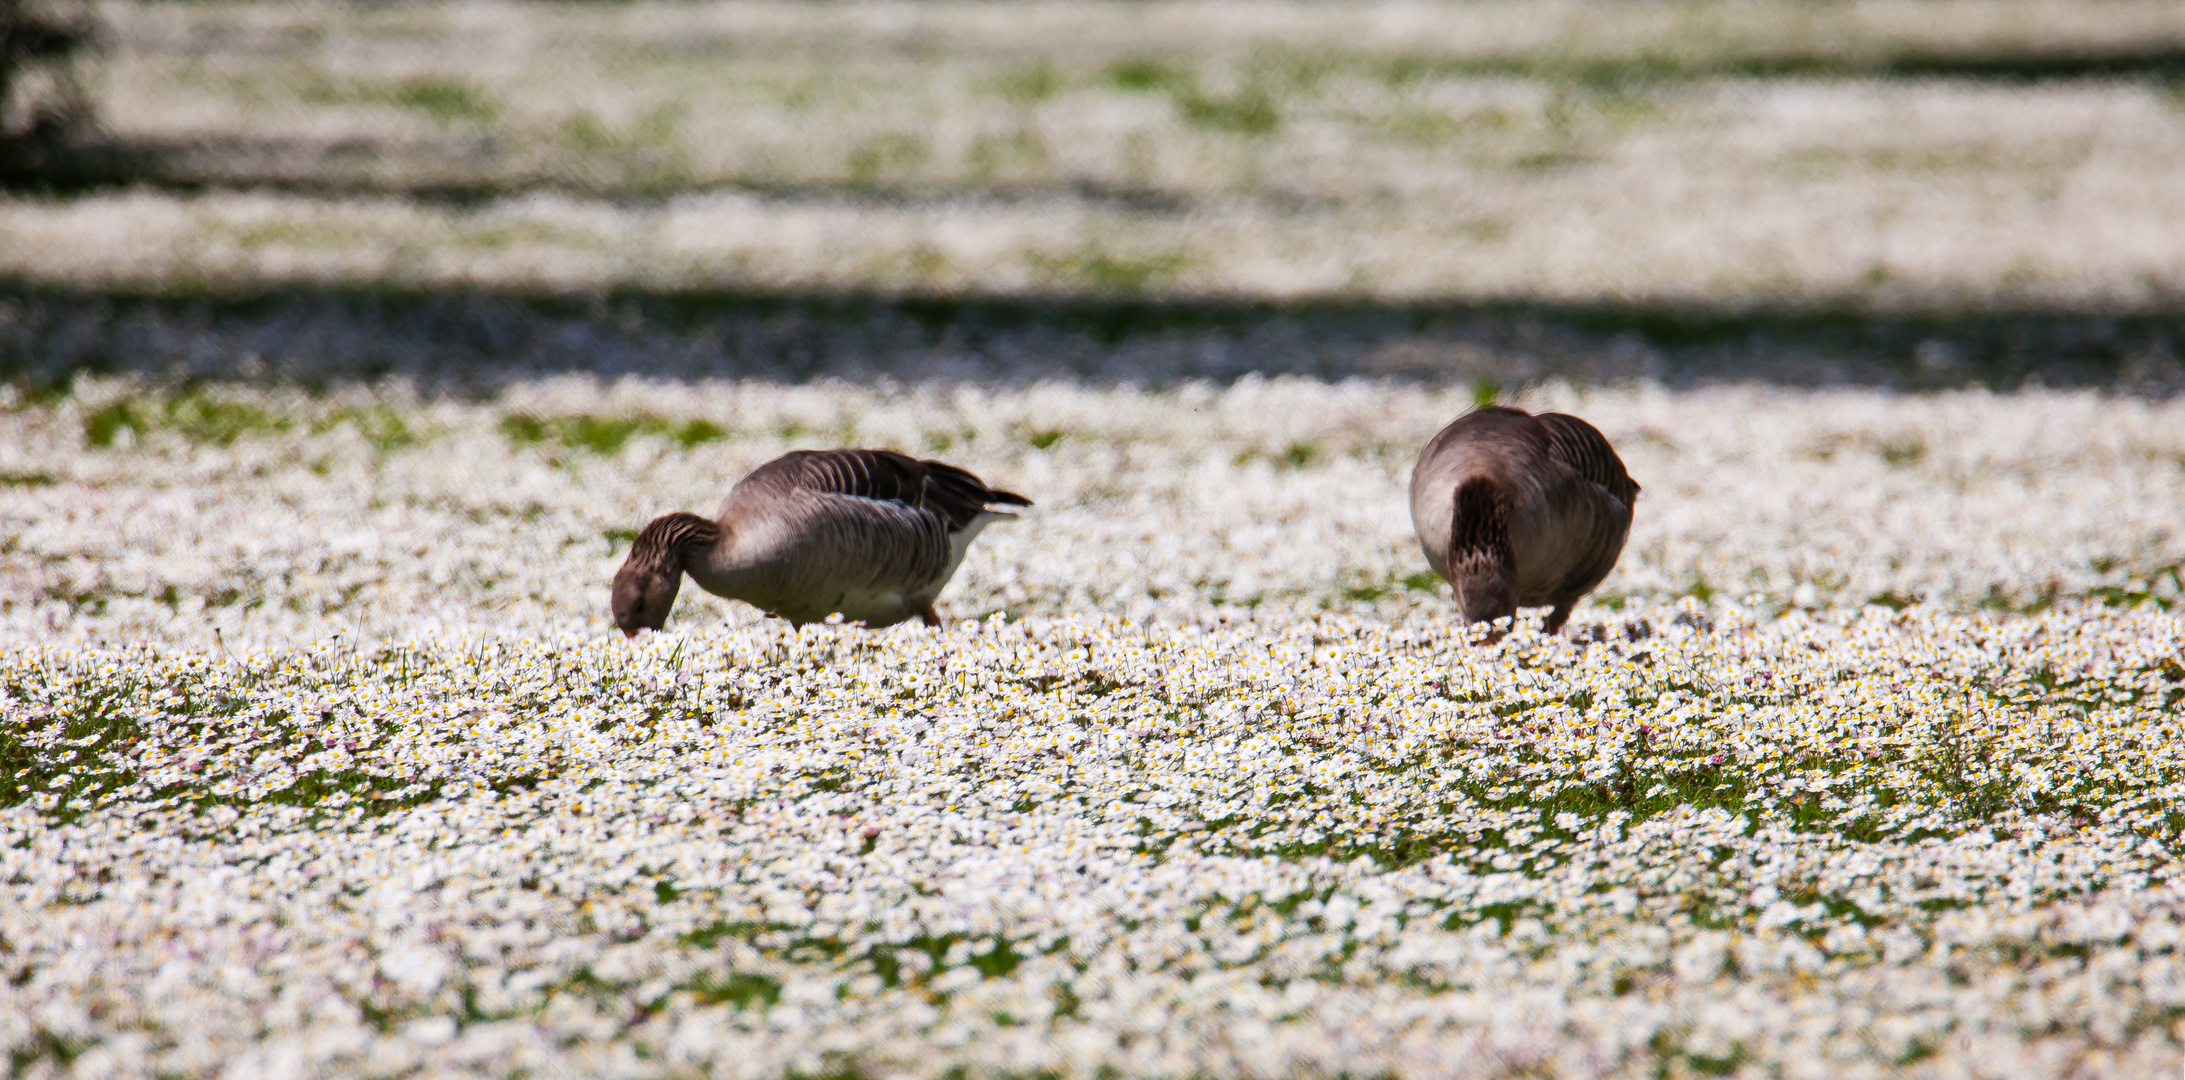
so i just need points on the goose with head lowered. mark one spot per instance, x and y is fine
(1521, 510)
(870, 534)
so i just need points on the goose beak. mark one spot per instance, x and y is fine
(631, 635)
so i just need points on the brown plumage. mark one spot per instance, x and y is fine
(871, 534)
(1517, 510)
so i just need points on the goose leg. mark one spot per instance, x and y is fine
(784, 647)
(928, 616)
(1556, 619)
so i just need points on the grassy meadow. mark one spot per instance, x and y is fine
(322, 753)
(329, 407)
(1879, 155)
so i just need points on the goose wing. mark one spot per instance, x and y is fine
(1604, 516)
(886, 476)
(1582, 447)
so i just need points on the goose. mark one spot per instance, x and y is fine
(871, 534)
(1518, 510)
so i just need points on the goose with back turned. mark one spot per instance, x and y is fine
(1521, 510)
(871, 534)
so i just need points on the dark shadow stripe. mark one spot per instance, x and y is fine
(468, 171)
(472, 341)
(2165, 63)
(2139, 61)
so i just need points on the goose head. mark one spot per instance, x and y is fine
(645, 588)
(642, 598)
(1484, 590)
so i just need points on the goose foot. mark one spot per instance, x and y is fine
(927, 616)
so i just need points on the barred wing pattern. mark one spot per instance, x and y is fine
(1581, 446)
(886, 476)
(872, 534)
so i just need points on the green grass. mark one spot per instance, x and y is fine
(384, 428)
(445, 100)
(606, 434)
(997, 157)
(1424, 581)
(1252, 111)
(735, 988)
(1903, 453)
(202, 419)
(194, 416)
(1296, 454)
(1099, 269)
(1032, 85)
(889, 158)
(1141, 75)
(2163, 586)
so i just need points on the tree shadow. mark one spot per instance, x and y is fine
(2127, 61)
(474, 341)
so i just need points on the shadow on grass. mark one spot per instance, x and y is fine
(461, 342)
(2158, 62)
(471, 169)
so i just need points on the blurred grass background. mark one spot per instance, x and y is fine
(1900, 192)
